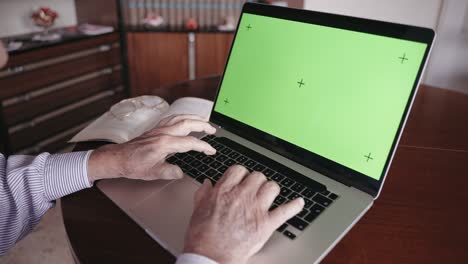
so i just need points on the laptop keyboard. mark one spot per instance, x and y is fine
(293, 184)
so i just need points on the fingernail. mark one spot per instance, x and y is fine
(301, 201)
(212, 152)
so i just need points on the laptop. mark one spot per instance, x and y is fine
(315, 101)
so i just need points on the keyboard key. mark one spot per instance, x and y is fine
(189, 159)
(322, 200)
(200, 156)
(268, 172)
(218, 146)
(211, 173)
(194, 173)
(258, 167)
(287, 182)
(277, 177)
(289, 234)
(282, 227)
(241, 159)
(311, 217)
(186, 167)
(171, 159)
(250, 164)
(226, 151)
(317, 209)
(325, 193)
(179, 155)
(303, 213)
(179, 163)
(285, 191)
(233, 155)
(203, 168)
(207, 160)
(308, 203)
(221, 158)
(280, 199)
(195, 163)
(207, 139)
(298, 223)
(193, 153)
(308, 193)
(216, 165)
(298, 187)
(223, 169)
(229, 162)
(293, 196)
(201, 178)
(332, 196)
(217, 176)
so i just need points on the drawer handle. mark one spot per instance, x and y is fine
(104, 48)
(17, 69)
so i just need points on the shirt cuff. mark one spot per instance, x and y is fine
(190, 258)
(65, 174)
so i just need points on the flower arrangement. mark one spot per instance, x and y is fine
(44, 17)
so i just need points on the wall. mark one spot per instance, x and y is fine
(448, 66)
(15, 15)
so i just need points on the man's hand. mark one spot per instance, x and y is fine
(231, 221)
(145, 157)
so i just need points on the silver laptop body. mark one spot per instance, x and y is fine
(163, 208)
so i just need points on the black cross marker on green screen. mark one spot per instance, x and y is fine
(368, 157)
(403, 58)
(301, 83)
(249, 27)
(226, 101)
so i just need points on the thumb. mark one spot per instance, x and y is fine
(201, 193)
(168, 171)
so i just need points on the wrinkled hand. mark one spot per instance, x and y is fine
(145, 157)
(231, 221)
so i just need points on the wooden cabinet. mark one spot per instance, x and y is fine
(212, 51)
(158, 59)
(48, 94)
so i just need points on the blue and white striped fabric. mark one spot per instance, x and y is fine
(30, 185)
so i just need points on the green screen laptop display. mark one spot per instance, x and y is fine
(338, 93)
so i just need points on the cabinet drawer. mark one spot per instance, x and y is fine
(34, 79)
(60, 50)
(28, 136)
(28, 109)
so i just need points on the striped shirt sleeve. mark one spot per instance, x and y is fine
(29, 186)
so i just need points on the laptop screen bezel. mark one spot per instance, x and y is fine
(305, 157)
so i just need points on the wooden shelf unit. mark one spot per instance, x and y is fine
(49, 94)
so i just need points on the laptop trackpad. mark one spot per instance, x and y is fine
(166, 214)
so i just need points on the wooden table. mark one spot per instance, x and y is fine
(420, 217)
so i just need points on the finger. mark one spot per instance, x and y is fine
(169, 172)
(171, 120)
(284, 212)
(185, 144)
(267, 193)
(253, 182)
(187, 126)
(232, 177)
(202, 192)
